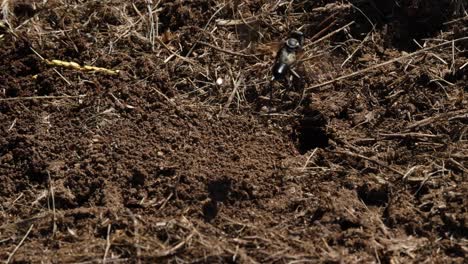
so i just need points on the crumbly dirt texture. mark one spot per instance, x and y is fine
(183, 157)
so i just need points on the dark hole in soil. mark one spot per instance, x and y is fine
(373, 196)
(455, 251)
(24, 10)
(346, 224)
(219, 190)
(64, 203)
(426, 207)
(310, 132)
(419, 190)
(210, 210)
(166, 171)
(82, 215)
(36, 171)
(317, 215)
(456, 227)
(11, 92)
(139, 176)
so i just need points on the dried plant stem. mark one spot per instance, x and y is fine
(378, 162)
(10, 257)
(174, 53)
(308, 159)
(358, 47)
(52, 195)
(329, 34)
(235, 83)
(41, 97)
(408, 135)
(174, 249)
(449, 116)
(108, 244)
(227, 51)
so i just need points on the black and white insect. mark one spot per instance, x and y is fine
(287, 56)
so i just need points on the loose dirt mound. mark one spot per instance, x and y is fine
(182, 157)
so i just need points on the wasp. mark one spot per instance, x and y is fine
(287, 56)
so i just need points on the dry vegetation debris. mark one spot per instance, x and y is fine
(173, 159)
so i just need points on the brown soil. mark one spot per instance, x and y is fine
(161, 164)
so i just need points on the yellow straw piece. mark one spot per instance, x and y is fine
(76, 66)
(99, 69)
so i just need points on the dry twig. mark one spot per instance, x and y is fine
(10, 257)
(378, 162)
(408, 135)
(108, 244)
(329, 34)
(227, 51)
(429, 120)
(45, 97)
